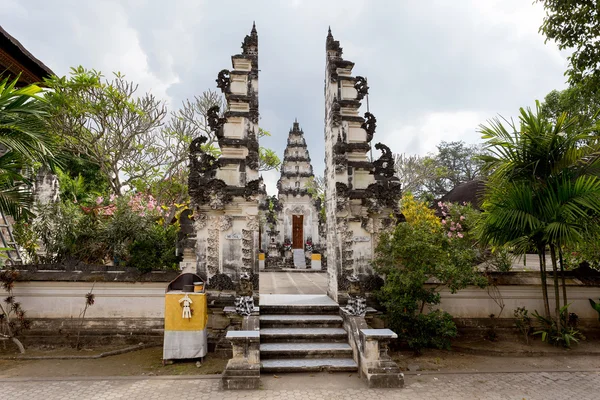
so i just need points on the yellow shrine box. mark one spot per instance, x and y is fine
(186, 317)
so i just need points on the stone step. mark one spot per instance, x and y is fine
(304, 350)
(300, 321)
(300, 309)
(294, 335)
(299, 259)
(309, 365)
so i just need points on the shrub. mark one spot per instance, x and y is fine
(501, 259)
(126, 230)
(154, 249)
(416, 252)
(566, 335)
(523, 322)
(12, 315)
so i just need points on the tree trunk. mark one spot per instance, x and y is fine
(562, 274)
(542, 256)
(556, 288)
(19, 344)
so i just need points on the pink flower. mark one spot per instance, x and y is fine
(112, 198)
(449, 234)
(460, 235)
(440, 204)
(459, 226)
(444, 213)
(452, 228)
(443, 222)
(99, 200)
(462, 217)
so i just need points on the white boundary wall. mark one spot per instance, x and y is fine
(146, 300)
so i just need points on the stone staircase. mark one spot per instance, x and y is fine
(304, 338)
(299, 260)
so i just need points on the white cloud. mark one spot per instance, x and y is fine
(436, 69)
(426, 132)
(270, 178)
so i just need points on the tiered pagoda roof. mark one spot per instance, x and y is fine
(296, 168)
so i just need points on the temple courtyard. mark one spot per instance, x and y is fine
(293, 282)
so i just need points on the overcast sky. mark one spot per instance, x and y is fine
(436, 69)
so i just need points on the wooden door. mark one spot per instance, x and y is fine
(297, 232)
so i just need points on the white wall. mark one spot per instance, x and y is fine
(113, 299)
(146, 300)
(476, 303)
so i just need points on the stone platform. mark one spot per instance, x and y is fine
(293, 283)
(296, 300)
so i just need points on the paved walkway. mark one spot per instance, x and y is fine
(518, 386)
(293, 282)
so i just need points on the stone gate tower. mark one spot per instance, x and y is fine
(225, 191)
(360, 195)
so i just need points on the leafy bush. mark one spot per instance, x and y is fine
(125, 230)
(595, 306)
(566, 335)
(586, 251)
(501, 259)
(423, 250)
(434, 329)
(154, 249)
(523, 322)
(12, 315)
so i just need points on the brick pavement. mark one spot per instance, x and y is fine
(518, 386)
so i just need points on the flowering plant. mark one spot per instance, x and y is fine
(139, 203)
(457, 220)
(287, 246)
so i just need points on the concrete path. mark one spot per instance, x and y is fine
(293, 282)
(518, 386)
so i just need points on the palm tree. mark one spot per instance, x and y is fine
(24, 145)
(543, 187)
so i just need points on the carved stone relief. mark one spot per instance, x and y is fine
(212, 259)
(225, 222)
(252, 222)
(200, 220)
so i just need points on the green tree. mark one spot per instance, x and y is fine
(575, 25)
(25, 145)
(461, 161)
(186, 124)
(418, 258)
(575, 102)
(110, 124)
(432, 176)
(543, 187)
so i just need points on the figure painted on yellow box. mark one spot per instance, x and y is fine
(187, 311)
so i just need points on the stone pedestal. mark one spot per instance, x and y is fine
(376, 366)
(243, 370)
(315, 262)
